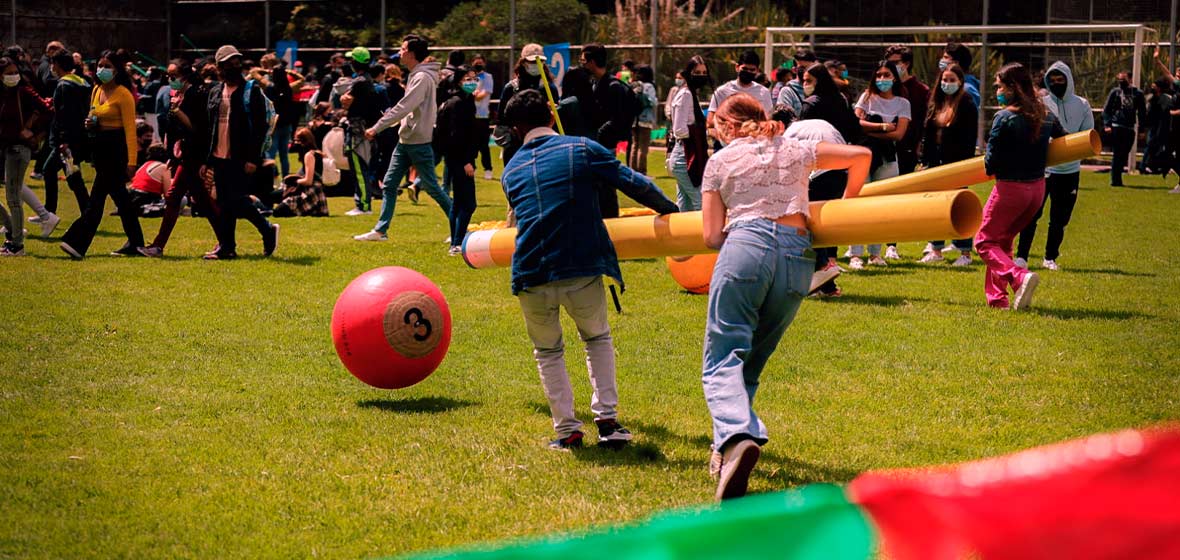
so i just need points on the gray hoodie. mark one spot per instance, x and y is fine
(418, 109)
(1073, 112)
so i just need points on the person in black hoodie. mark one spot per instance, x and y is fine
(949, 136)
(363, 110)
(610, 115)
(825, 102)
(67, 135)
(456, 140)
(235, 152)
(279, 92)
(1123, 105)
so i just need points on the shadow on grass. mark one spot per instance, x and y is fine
(1113, 271)
(416, 405)
(1110, 314)
(788, 471)
(880, 301)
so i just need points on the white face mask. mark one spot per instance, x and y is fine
(532, 68)
(808, 89)
(10, 80)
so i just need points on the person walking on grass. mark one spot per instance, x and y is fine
(1061, 182)
(111, 122)
(755, 212)
(67, 137)
(457, 140)
(1125, 109)
(1017, 147)
(483, 112)
(562, 253)
(685, 161)
(949, 136)
(416, 112)
(22, 114)
(237, 127)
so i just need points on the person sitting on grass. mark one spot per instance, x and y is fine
(303, 193)
(562, 252)
(150, 182)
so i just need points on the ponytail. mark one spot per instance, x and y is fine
(748, 117)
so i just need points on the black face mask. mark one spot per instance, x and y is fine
(745, 76)
(478, 68)
(1058, 90)
(696, 81)
(1124, 84)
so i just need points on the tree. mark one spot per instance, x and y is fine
(485, 22)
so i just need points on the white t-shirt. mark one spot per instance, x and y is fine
(887, 109)
(759, 91)
(817, 130)
(761, 177)
(682, 113)
(487, 84)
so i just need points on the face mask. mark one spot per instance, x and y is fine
(10, 80)
(901, 71)
(1124, 84)
(808, 89)
(943, 64)
(884, 85)
(470, 87)
(746, 76)
(844, 74)
(478, 68)
(532, 68)
(949, 88)
(105, 75)
(679, 82)
(1058, 90)
(625, 77)
(1003, 99)
(175, 84)
(696, 82)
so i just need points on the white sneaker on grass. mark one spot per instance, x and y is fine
(371, 236)
(929, 248)
(1024, 294)
(963, 260)
(49, 224)
(1020, 262)
(931, 257)
(1175, 190)
(455, 251)
(358, 212)
(877, 261)
(855, 263)
(1050, 264)
(891, 253)
(34, 219)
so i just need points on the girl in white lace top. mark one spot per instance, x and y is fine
(758, 184)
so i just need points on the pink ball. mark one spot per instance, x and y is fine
(391, 327)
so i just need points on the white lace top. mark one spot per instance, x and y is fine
(761, 178)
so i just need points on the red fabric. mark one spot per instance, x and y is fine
(143, 180)
(1105, 496)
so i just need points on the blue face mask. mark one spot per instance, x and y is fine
(105, 75)
(943, 64)
(844, 74)
(949, 88)
(884, 85)
(1003, 99)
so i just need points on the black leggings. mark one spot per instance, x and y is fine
(110, 179)
(1063, 189)
(463, 191)
(828, 186)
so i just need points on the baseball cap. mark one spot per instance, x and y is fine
(226, 52)
(531, 52)
(359, 54)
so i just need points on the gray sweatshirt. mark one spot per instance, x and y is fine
(418, 109)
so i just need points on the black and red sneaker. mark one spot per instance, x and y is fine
(611, 433)
(567, 442)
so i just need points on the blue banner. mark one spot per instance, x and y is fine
(288, 51)
(557, 57)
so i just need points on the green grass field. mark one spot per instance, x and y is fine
(183, 408)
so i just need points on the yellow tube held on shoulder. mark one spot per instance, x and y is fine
(951, 176)
(855, 221)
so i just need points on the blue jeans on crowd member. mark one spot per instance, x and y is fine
(761, 277)
(688, 196)
(421, 157)
(280, 150)
(884, 171)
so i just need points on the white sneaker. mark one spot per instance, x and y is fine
(4, 230)
(822, 276)
(963, 260)
(34, 219)
(877, 261)
(929, 248)
(1024, 294)
(931, 257)
(848, 253)
(487, 175)
(358, 212)
(371, 236)
(855, 263)
(1050, 264)
(891, 253)
(448, 240)
(455, 251)
(1175, 190)
(1021, 263)
(49, 224)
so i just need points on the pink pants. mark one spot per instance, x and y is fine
(1009, 209)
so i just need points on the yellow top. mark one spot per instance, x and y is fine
(117, 112)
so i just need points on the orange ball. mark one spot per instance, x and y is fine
(391, 327)
(694, 272)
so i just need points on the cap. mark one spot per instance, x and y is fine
(298, 63)
(531, 52)
(359, 54)
(225, 53)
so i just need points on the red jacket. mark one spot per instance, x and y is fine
(919, 96)
(22, 109)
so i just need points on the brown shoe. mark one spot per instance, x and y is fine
(737, 462)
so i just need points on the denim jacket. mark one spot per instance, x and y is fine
(1012, 153)
(550, 185)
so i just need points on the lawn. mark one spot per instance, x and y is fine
(183, 408)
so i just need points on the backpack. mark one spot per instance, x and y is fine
(636, 103)
(334, 143)
(272, 117)
(329, 173)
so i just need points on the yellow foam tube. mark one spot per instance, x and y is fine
(907, 217)
(1070, 147)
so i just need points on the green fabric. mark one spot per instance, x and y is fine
(813, 522)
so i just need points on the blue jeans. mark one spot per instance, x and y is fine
(761, 277)
(421, 156)
(688, 196)
(280, 149)
(884, 171)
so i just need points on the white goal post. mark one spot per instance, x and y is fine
(1139, 31)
